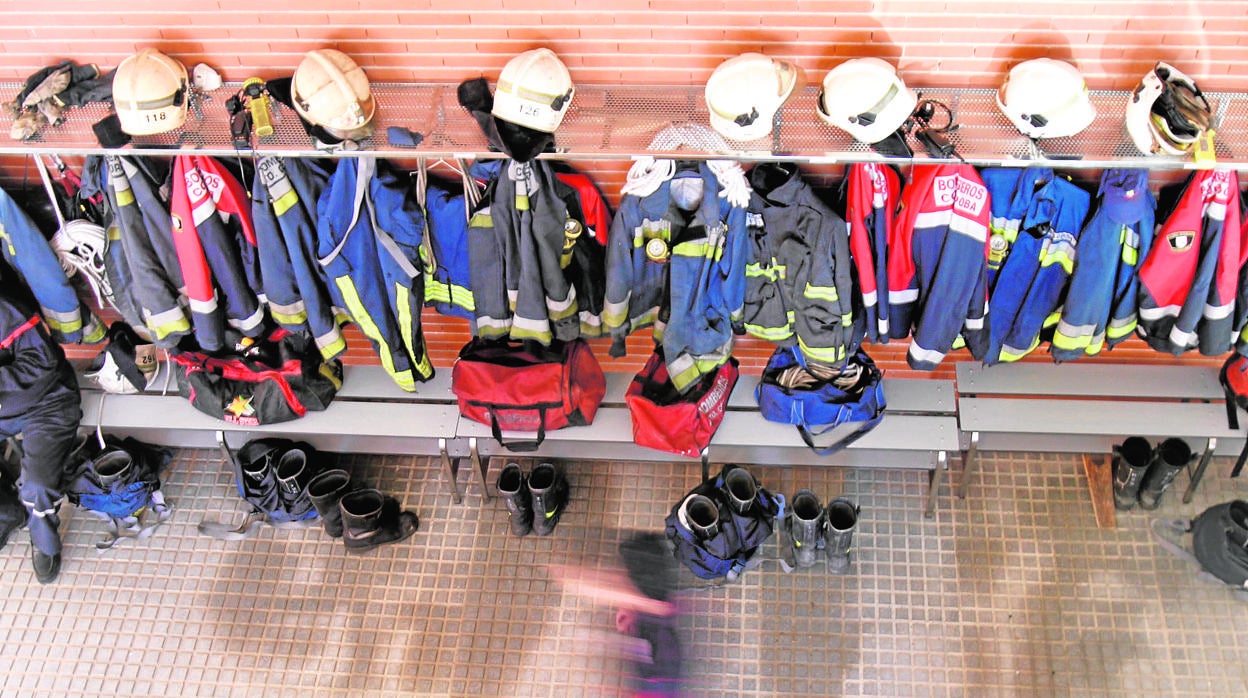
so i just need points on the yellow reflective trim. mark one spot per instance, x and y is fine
(125, 197)
(283, 203)
(522, 202)
(334, 348)
(827, 293)
(409, 326)
(96, 334)
(1095, 347)
(1068, 343)
(1053, 318)
(176, 327)
(1120, 331)
(66, 327)
(436, 291)
(462, 296)
(1008, 356)
(1059, 258)
(481, 219)
(370, 330)
(774, 334)
(958, 343)
(523, 333)
(288, 318)
(829, 355)
(1130, 256)
(329, 373)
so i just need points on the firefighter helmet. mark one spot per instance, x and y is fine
(534, 90)
(150, 93)
(1046, 98)
(1167, 112)
(330, 91)
(866, 98)
(745, 92)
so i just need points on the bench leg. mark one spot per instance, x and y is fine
(969, 462)
(480, 467)
(942, 462)
(1200, 470)
(448, 471)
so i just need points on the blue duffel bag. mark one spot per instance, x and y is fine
(830, 413)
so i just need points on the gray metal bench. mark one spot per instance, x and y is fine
(370, 414)
(918, 432)
(1086, 408)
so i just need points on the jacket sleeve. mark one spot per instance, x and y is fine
(280, 291)
(487, 274)
(823, 291)
(27, 251)
(735, 258)
(620, 278)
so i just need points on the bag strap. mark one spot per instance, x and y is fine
(519, 446)
(1184, 526)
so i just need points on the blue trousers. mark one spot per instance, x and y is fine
(48, 435)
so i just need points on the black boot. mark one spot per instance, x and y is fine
(257, 460)
(325, 490)
(370, 519)
(47, 567)
(549, 490)
(700, 515)
(1172, 455)
(294, 471)
(805, 523)
(515, 491)
(1131, 460)
(842, 520)
(742, 490)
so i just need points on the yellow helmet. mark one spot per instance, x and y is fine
(329, 90)
(150, 93)
(534, 90)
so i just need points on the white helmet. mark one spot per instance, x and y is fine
(744, 94)
(534, 90)
(329, 90)
(150, 93)
(1167, 112)
(1046, 98)
(866, 98)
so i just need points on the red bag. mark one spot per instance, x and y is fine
(522, 386)
(665, 420)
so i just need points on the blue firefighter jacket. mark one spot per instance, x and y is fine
(699, 282)
(369, 236)
(1100, 306)
(26, 250)
(1031, 281)
(284, 198)
(150, 272)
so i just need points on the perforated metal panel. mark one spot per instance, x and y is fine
(620, 123)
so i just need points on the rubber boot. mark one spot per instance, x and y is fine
(549, 491)
(700, 515)
(370, 519)
(1171, 457)
(841, 518)
(259, 486)
(742, 490)
(1131, 459)
(293, 474)
(325, 490)
(806, 528)
(112, 466)
(515, 492)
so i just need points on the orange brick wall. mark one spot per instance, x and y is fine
(950, 43)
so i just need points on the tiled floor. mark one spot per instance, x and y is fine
(1013, 591)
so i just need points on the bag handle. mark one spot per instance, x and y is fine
(519, 446)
